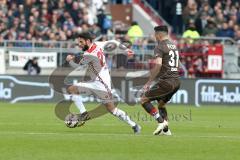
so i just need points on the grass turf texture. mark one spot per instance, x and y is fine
(32, 131)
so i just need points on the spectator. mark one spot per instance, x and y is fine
(32, 67)
(96, 30)
(104, 21)
(219, 19)
(107, 23)
(202, 22)
(210, 29)
(190, 13)
(206, 8)
(191, 32)
(238, 15)
(237, 36)
(177, 21)
(134, 32)
(225, 31)
(198, 66)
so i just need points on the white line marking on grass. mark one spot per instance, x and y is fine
(116, 134)
(51, 124)
(203, 136)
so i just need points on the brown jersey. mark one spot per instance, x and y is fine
(170, 59)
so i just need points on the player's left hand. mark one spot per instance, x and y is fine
(69, 58)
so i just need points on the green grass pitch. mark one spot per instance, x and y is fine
(32, 132)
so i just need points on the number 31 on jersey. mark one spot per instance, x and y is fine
(174, 60)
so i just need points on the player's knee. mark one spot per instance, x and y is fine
(110, 107)
(144, 100)
(71, 90)
(161, 104)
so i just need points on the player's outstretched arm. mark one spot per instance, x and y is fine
(115, 47)
(73, 64)
(70, 60)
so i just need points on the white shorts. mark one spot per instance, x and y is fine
(96, 88)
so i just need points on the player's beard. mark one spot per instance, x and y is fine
(85, 47)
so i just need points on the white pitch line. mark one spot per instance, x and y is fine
(115, 134)
(52, 124)
(92, 124)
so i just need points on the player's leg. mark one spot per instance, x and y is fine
(159, 89)
(86, 88)
(117, 112)
(106, 96)
(163, 100)
(74, 91)
(162, 109)
(147, 105)
(97, 88)
(163, 113)
(149, 108)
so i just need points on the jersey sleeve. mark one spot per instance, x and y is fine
(76, 66)
(158, 52)
(86, 59)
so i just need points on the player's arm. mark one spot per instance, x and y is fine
(154, 72)
(70, 60)
(114, 45)
(156, 69)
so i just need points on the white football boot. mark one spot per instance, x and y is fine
(166, 131)
(160, 127)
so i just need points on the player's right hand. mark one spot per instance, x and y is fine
(146, 86)
(69, 58)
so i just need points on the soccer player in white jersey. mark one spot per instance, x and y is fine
(100, 84)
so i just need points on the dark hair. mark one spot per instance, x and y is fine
(161, 29)
(134, 23)
(84, 35)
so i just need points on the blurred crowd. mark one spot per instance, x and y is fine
(194, 18)
(55, 20)
(59, 20)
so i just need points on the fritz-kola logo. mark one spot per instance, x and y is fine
(5, 93)
(209, 94)
(11, 89)
(217, 91)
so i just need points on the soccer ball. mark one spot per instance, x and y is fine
(71, 120)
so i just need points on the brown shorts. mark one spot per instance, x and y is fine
(163, 89)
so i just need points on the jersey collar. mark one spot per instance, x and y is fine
(92, 47)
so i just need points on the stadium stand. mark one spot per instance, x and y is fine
(54, 20)
(42, 25)
(211, 17)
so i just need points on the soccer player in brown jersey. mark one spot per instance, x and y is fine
(163, 80)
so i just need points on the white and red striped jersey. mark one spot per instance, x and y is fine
(95, 59)
(97, 68)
